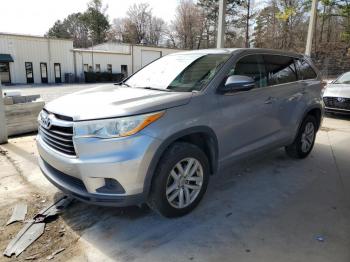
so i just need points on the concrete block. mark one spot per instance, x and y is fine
(22, 118)
(19, 99)
(8, 101)
(32, 98)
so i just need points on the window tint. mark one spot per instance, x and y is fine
(305, 70)
(252, 66)
(280, 69)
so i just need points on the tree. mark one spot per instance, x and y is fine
(210, 11)
(188, 25)
(139, 26)
(72, 27)
(58, 30)
(96, 21)
(90, 27)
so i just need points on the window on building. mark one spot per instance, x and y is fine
(109, 68)
(280, 69)
(90, 69)
(98, 68)
(86, 67)
(29, 72)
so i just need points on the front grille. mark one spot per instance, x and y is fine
(337, 102)
(57, 136)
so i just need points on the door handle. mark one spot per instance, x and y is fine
(270, 100)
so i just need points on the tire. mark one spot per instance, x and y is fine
(168, 177)
(297, 149)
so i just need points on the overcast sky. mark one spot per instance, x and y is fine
(34, 17)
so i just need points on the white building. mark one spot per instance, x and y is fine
(116, 58)
(33, 59)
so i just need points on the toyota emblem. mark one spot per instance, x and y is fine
(340, 99)
(46, 121)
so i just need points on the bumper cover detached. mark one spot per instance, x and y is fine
(75, 187)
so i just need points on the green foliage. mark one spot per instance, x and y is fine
(84, 28)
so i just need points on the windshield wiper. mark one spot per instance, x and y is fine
(122, 84)
(154, 88)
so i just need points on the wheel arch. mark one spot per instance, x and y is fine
(202, 136)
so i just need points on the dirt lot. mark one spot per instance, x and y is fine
(269, 208)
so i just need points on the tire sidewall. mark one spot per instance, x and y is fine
(308, 119)
(178, 152)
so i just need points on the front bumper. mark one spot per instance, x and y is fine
(124, 160)
(337, 110)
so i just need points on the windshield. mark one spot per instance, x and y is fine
(182, 72)
(343, 79)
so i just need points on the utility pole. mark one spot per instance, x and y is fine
(221, 24)
(3, 126)
(247, 25)
(312, 24)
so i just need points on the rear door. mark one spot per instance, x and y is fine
(248, 119)
(286, 89)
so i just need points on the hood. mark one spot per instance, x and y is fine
(115, 101)
(337, 90)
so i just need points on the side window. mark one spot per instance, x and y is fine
(305, 70)
(280, 69)
(252, 66)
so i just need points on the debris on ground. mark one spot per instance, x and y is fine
(35, 228)
(18, 214)
(28, 234)
(320, 238)
(52, 256)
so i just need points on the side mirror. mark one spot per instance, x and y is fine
(236, 83)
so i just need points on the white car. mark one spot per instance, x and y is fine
(337, 95)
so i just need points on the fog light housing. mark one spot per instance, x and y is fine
(111, 186)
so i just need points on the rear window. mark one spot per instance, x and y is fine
(280, 69)
(305, 70)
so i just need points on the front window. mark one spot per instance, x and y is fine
(179, 72)
(343, 79)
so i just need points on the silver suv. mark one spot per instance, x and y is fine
(159, 136)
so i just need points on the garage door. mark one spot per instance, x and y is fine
(148, 56)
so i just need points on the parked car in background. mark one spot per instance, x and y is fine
(336, 96)
(161, 134)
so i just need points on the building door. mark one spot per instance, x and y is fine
(29, 72)
(124, 70)
(58, 78)
(43, 71)
(5, 73)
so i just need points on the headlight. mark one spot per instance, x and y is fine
(117, 127)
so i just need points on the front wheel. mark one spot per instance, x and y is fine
(305, 140)
(180, 181)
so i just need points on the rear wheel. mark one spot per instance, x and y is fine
(180, 180)
(305, 140)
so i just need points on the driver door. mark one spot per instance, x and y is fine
(249, 118)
